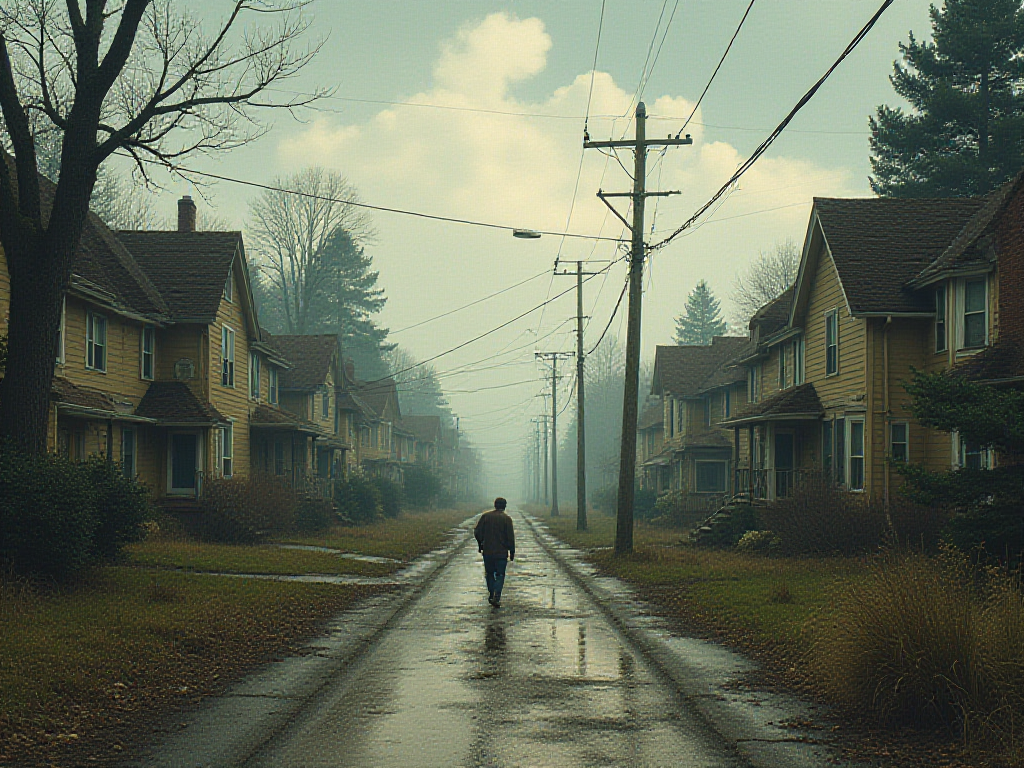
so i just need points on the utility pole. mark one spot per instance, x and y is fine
(627, 454)
(581, 438)
(554, 357)
(542, 451)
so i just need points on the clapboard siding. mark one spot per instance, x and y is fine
(232, 402)
(827, 294)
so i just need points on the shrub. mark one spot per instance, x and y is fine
(315, 514)
(243, 510)
(58, 517)
(727, 531)
(822, 519)
(995, 526)
(763, 542)
(391, 498)
(422, 486)
(358, 499)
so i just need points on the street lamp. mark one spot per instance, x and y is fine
(526, 234)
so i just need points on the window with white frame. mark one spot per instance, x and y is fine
(229, 288)
(970, 456)
(783, 369)
(272, 385)
(832, 342)
(95, 342)
(129, 451)
(325, 405)
(254, 376)
(975, 313)
(727, 403)
(148, 352)
(798, 360)
(941, 342)
(754, 383)
(227, 357)
(226, 450)
(899, 441)
(856, 454)
(710, 476)
(839, 451)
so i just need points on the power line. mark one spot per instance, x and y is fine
(593, 68)
(720, 63)
(467, 306)
(386, 209)
(746, 165)
(610, 319)
(661, 45)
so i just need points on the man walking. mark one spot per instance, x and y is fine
(497, 542)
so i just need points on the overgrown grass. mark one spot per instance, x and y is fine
(239, 558)
(403, 538)
(81, 659)
(600, 531)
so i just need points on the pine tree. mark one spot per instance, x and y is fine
(964, 133)
(702, 318)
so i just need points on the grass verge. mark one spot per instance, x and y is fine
(80, 665)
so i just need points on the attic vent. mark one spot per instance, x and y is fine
(184, 369)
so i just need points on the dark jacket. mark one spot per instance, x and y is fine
(494, 534)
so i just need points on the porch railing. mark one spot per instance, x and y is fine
(769, 483)
(315, 487)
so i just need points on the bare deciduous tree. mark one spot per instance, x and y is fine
(139, 77)
(766, 278)
(289, 235)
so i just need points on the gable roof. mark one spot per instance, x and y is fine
(189, 269)
(798, 402)
(425, 428)
(879, 245)
(652, 416)
(377, 395)
(774, 315)
(681, 370)
(974, 245)
(311, 357)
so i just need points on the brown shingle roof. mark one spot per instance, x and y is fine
(774, 315)
(347, 401)
(798, 401)
(652, 416)
(67, 393)
(880, 244)
(265, 416)
(681, 371)
(426, 428)
(310, 356)
(376, 393)
(174, 402)
(189, 269)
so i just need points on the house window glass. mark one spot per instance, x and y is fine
(798, 361)
(96, 342)
(129, 450)
(826, 448)
(226, 450)
(839, 451)
(325, 405)
(754, 383)
(727, 403)
(973, 456)
(60, 332)
(899, 441)
(710, 476)
(940, 319)
(272, 385)
(706, 405)
(229, 288)
(832, 343)
(227, 357)
(254, 376)
(975, 314)
(783, 370)
(856, 456)
(148, 351)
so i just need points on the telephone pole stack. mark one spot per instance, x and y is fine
(581, 440)
(627, 456)
(554, 357)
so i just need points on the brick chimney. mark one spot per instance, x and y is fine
(186, 214)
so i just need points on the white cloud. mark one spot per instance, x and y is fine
(520, 170)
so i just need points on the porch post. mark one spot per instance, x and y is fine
(750, 462)
(735, 460)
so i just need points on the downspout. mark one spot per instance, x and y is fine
(885, 405)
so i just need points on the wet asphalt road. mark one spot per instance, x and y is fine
(545, 680)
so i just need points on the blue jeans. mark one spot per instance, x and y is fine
(494, 568)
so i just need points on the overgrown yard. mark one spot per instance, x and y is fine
(901, 641)
(87, 669)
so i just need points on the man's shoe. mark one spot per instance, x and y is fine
(496, 602)
(490, 598)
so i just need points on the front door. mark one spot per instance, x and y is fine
(183, 457)
(783, 464)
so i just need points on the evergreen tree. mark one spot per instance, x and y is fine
(964, 133)
(702, 318)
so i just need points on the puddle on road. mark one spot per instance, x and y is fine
(339, 552)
